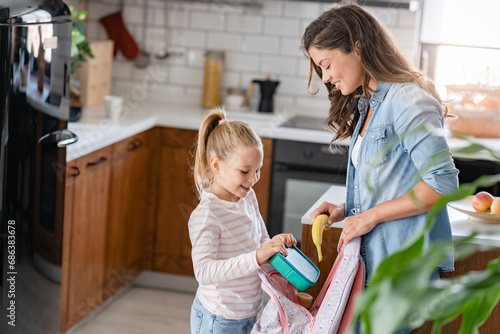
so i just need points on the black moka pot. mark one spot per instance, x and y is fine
(267, 90)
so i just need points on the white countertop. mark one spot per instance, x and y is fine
(461, 225)
(95, 131)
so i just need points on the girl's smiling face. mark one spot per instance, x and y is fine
(341, 70)
(237, 173)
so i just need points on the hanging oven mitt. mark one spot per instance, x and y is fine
(117, 31)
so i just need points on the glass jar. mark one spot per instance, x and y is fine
(236, 98)
(211, 84)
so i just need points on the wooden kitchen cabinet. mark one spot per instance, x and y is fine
(477, 261)
(262, 188)
(177, 199)
(84, 261)
(130, 215)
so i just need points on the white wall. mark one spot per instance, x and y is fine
(256, 43)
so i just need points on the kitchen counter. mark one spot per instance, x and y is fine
(95, 131)
(461, 225)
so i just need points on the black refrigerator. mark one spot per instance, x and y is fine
(35, 44)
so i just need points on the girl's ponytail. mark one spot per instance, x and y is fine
(203, 176)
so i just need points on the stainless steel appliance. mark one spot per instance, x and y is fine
(301, 173)
(35, 43)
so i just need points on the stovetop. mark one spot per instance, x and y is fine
(305, 122)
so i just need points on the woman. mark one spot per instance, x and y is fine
(398, 164)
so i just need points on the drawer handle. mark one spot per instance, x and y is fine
(134, 144)
(75, 171)
(98, 162)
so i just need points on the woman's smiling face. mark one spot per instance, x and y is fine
(342, 70)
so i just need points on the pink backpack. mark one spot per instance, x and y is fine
(331, 312)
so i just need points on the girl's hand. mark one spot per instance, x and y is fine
(357, 225)
(335, 212)
(277, 244)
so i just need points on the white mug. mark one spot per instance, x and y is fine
(113, 107)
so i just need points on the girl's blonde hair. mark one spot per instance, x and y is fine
(219, 137)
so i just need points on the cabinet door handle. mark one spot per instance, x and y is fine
(98, 162)
(138, 142)
(134, 144)
(75, 171)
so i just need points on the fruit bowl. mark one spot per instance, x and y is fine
(465, 206)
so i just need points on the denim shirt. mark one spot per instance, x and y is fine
(386, 172)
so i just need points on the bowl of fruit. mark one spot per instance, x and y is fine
(482, 207)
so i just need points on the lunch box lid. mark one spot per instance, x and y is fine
(296, 262)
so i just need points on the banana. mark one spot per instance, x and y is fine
(320, 223)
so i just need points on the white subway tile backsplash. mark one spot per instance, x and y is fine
(279, 65)
(153, 75)
(189, 38)
(303, 66)
(187, 76)
(192, 96)
(293, 85)
(272, 7)
(156, 15)
(230, 79)
(195, 58)
(98, 10)
(210, 21)
(261, 44)
(133, 15)
(244, 23)
(224, 41)
(302, 9)
(241, 62)
(281, 26)
(256, 43)
(93, 28)
(177, 18)
(313, 105)
(291, 47)
(121, 70)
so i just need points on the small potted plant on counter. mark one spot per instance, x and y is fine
(80, 50)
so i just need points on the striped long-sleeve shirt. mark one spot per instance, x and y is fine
(225, 237)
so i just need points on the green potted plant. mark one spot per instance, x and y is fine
(400, 294)
(80, 50)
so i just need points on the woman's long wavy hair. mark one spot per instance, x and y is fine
(381, 59)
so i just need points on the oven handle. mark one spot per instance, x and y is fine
(61, 138)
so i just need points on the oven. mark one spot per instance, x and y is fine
(301, 173)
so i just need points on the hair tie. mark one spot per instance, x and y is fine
(222, 121)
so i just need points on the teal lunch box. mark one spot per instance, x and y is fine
(296, 268)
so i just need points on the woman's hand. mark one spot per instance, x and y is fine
(357, 225)
(335, 212)
(277, 244)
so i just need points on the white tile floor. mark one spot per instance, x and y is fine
(142, 310)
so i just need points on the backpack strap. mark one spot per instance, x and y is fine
(268, 288)
(351, 249)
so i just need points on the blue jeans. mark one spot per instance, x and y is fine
(203, 322)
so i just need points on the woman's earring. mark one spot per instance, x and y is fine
(216, 176)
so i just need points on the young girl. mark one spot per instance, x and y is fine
(227, 232)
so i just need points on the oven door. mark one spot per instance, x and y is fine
(293, 191)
